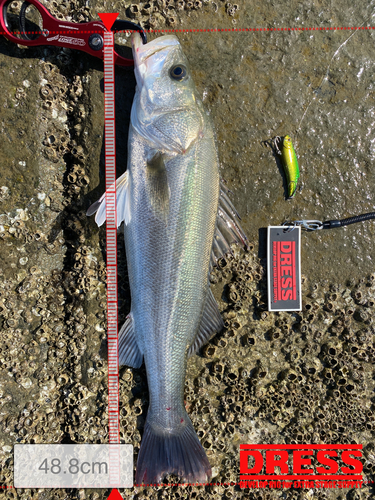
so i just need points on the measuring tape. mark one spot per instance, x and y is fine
(111, 250)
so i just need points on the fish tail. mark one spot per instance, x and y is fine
(172, 452)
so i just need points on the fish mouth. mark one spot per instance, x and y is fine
(144, 62)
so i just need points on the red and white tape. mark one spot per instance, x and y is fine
(111, 250)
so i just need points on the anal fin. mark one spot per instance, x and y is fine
(211, 323)
(129, 352)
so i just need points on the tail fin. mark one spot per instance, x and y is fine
(179, 453)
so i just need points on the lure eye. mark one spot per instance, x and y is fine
(178, 72)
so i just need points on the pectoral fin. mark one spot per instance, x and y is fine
(211, 323)
(122, 203)
(157, 186)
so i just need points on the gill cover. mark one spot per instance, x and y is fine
(166, 110)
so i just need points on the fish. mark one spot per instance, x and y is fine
(290, 164)
(178, 222)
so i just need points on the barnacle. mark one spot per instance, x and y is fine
(172, 21)
(209, 351)
(134, 11)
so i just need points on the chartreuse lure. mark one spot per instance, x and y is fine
(290, 164)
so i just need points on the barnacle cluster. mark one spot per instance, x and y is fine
(49, 393)
(69, 11)
(285, 377)
(231, 9)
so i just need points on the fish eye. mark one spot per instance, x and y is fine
(178, 72)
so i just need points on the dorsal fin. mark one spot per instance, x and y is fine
(228, 229)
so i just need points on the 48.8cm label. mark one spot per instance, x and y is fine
(73, 466)
(54, 466)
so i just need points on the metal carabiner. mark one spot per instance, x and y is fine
(309, 225)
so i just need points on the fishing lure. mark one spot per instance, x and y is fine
(290, 163)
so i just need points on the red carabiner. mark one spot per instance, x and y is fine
(87, 37)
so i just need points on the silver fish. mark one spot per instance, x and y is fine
(178, 222)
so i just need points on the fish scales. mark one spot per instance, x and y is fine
(168, 266)
(178, 222)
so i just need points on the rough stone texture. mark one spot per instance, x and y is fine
(268, 378)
